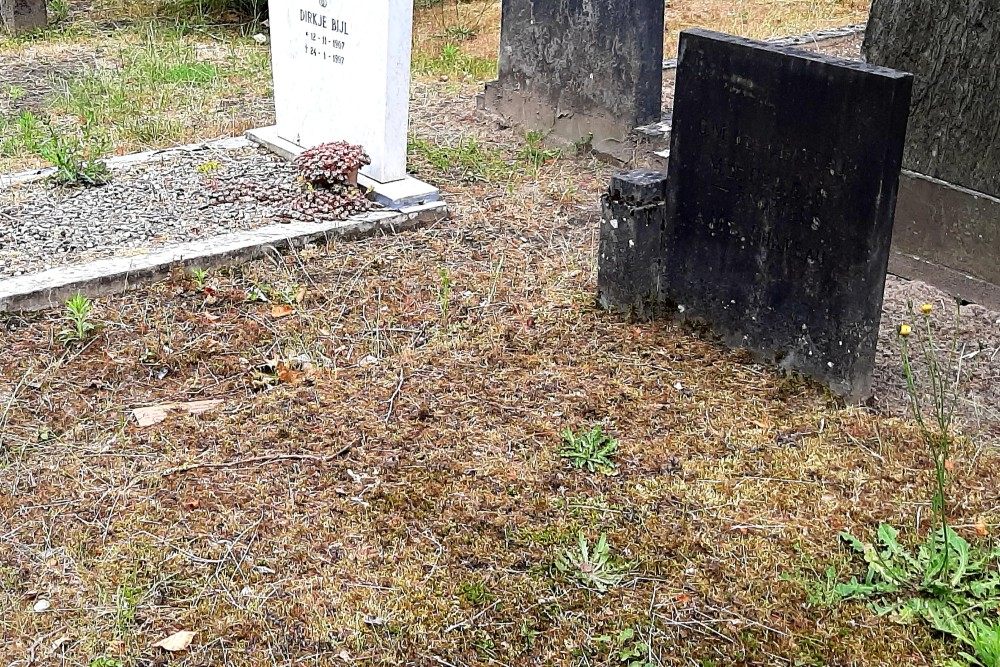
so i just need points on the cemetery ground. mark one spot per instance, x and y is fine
(195, 79)
(376, 468)
(380, 477)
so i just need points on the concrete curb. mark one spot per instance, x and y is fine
(51, 288)
(229, 143)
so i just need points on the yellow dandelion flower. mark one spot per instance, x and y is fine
(926, 309)
(905, 330)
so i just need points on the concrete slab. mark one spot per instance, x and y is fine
(110, 276)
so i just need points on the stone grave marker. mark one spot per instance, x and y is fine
(19, 16)
(580, 70)
(780, 195)
(342, 72)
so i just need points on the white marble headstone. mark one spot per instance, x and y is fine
(342, 72)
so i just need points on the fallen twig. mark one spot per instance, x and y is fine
(468, 622)
(254, 461)
(395, 395)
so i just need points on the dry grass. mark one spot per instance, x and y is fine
(401, 500)
(137, 81)
(475, 26)
(93, 69)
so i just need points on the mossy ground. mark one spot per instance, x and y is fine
(401, 499)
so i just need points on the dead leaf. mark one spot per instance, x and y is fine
(278, 312)
(949, 465)
(154, 414)
(982, 530)
(176, 642)
(300, 294)
(287, 375)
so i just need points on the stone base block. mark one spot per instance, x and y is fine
(948, 236)
(629, 260)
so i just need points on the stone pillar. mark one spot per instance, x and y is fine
(629, 259)
(580, 70)
(20, 16)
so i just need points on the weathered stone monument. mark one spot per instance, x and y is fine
(774, 224)
(948, 218)
(19, 16)
(634, 211)
(580, 70)
(342, 72)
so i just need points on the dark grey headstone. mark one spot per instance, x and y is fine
(783, 172)
(19, 16)
(580, 69)
(634, 209)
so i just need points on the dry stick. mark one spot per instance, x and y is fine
(10, 404)
(395, 395)
(470, 621)
(441, 661)
(256, 460)
(252, 530)
(295, 253)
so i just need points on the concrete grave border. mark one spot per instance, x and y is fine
(229, 143)
(50, 288)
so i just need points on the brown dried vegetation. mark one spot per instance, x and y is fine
(382, 484)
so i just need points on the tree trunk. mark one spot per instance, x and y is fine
(18, 16)
(953, 49)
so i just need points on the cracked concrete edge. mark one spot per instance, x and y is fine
(225, 144)
(116, 275)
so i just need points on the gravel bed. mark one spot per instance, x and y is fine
(179, 197)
